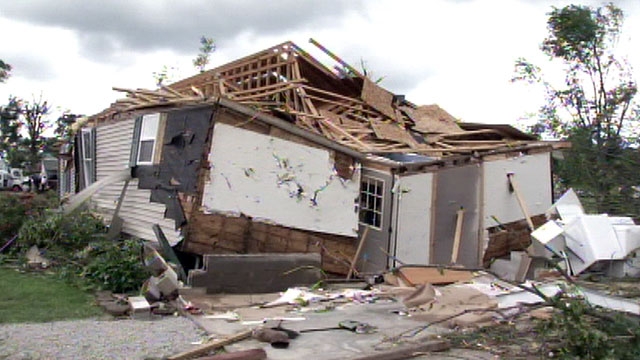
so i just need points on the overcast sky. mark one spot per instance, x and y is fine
(456, 53)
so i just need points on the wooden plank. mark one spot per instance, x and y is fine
(521, 202)
(278, 85)
(251, 354)
(457, 236)
(258, 93)
(210, 346)
(434, 274)
(409, 351)
(525, 262)
(354, 261)
(346, 134)
(115, 230)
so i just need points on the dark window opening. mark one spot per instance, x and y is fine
(371, 191)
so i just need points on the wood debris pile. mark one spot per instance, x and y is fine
(340, 104)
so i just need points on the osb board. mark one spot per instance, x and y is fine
(416, 275)
(509, 237)
(378, 98)
(393, 132)
(433, 119)
(215, 233)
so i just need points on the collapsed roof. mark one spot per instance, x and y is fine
(340, 104)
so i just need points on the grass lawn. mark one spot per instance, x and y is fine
(36, 297)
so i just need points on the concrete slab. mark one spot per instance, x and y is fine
(334, 344)
(256, 273)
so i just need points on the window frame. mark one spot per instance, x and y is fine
(147, 133)
(366, 197)
(87, 136)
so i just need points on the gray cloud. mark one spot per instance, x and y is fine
(107, 27)
(33, 68)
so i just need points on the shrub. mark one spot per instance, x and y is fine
(12, 214)
(60, 235)
(78, 249)
(16, 208)
(117, 266)
(586, 332)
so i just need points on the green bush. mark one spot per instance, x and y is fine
(80, 253)
(16, 208)
(12, 214)
(116, 266)
(59, 234)
(586, 332)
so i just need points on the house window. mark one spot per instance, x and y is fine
(147, 143)
(371, 191)
(87, 145)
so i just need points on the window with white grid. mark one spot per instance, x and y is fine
(371, 190)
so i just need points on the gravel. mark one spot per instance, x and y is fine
(99, 339)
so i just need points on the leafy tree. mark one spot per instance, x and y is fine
(594, 107)
(34, 117)
(5, 71)
(63, 125)
(10, 125)
(207, 47)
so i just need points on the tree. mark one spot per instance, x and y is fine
(63, 129)
(594, 107)
(207, 47)
(5, 71)
(10, 125)
(34, 117)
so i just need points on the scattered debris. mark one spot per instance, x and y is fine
(35, 260)
(139, 308)
(583, 241)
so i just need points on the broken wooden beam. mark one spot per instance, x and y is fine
(409, 351)
(354, 261)
(251, 354)
(212, 345)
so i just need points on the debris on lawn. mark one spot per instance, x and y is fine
(35, 260)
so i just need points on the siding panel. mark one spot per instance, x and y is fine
(113, 149)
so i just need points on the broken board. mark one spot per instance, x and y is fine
(415, 275)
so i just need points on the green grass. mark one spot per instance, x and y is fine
(37, 297)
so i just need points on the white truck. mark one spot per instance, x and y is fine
(12, 178)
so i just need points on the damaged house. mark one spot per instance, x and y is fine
(277, 153)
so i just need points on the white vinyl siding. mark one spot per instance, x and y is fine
(113, 151)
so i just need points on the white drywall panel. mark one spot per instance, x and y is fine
(533, 176)
(279, 181)
(457, 188)
(413, 227)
